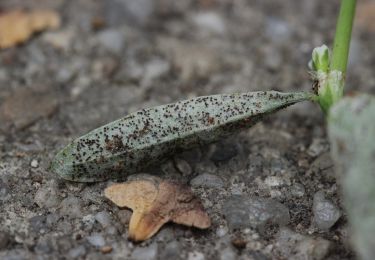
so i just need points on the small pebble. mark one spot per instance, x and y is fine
(273, 181)
(47, 195)
(317, 146)
(277, 30)
(222, 231)
(149, 252)
(171, 251)
(71, 206)
(38, 223)
(4, 240)
(106, 249)
(43, 246)
(96, 240)
(103, 218)
(243, 211)
(209, 21)
(207, 180)
(325, 212)
(224, 151)
(34, 163)
(4, 190)
(228, 254)
(77, 252)
(183, 167)
(25, 106)
(297, 190)
(195, 256)
(239, 243)
(155, 69)
(112, 40)
(292, 245)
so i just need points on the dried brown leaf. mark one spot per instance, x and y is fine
(17, 26)
(155, 202)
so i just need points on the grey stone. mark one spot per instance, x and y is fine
(224, 151)
(291, 245)
(34, 163)
(221, 231)
(183, 167)
(243, 212)
(322, 165)
(325, 212)
(193, 61)
(297, 190)
(77, 252)
(112, 40)
(272, 58)
(317, 146)
(228, 254)
(4, 190)
(51, 219)
(61, 40)
(71, 206)
(166, 234)
(210, 22)
(192, 156)
(38, 223)
(47, 195)
(4, 240)
(149, 252)
(26, 106)
(124, 216)
(89, 221)
(155, 69)
(64, 243)
(96, 240)
(172, 7)
(44, 246)
(277, 30)
(104, 218)
(171, 251)
(64, 226)
(196, 255)
(64, 75)
(206, 166)
(139, 11)
(207, 180)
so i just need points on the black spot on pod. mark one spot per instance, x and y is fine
(143, 138)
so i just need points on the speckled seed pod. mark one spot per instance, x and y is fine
(144, 138)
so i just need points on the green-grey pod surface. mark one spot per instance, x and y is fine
(351, 129)
(144, 138)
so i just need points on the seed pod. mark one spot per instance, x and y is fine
(351, 131)
(144, 138)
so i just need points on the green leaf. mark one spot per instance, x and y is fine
(351, 127)
(144, 138)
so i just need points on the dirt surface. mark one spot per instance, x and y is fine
(270, 191)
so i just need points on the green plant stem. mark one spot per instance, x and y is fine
(332, 82)
(343, 35)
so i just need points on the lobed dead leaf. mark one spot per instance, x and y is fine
(155, 202)
(17, 26)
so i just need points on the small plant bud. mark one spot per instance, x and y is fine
(320, 59)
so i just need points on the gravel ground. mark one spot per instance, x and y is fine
(271, 191)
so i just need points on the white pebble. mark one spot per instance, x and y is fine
(34, 163)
